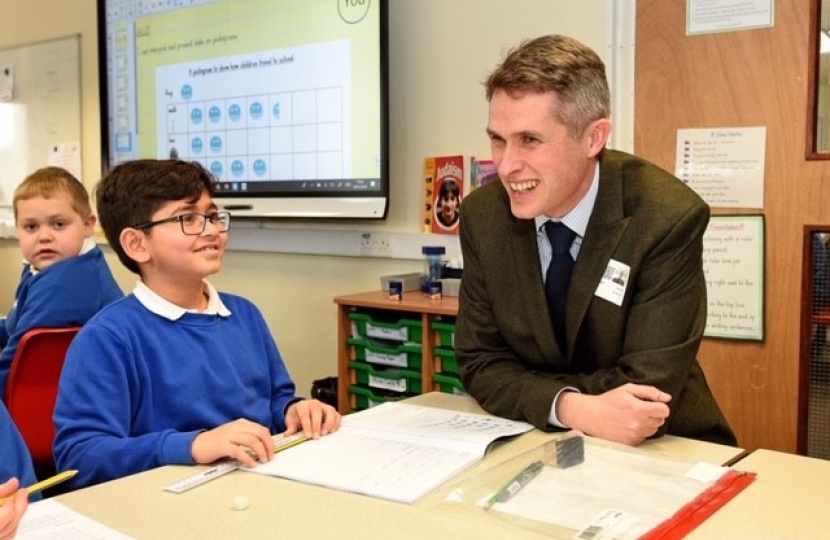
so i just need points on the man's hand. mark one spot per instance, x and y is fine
(241, 439)
(312, 417)
(628, 414)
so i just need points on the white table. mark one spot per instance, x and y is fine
(138, 506)
(789, 500)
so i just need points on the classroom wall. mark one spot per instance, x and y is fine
(440, 51)
(747, 78)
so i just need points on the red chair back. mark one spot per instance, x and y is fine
(32, 387)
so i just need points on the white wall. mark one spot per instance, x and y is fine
(440, 52)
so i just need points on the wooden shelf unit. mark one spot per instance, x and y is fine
(412, 302)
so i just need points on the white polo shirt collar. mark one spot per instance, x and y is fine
(164, 308)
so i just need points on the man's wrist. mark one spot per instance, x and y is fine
(554, 418)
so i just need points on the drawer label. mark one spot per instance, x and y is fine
(386, 359)
(396, 385)
(398, 334)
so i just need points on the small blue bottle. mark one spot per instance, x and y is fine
(433, 265)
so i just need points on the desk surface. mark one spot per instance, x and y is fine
(787, 501)
(138, 506)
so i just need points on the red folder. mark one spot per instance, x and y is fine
(701, 507)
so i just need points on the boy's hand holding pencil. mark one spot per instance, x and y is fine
(45, 484)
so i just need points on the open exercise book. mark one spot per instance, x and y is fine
(394, 451)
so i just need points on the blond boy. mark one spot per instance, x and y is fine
(65, 279)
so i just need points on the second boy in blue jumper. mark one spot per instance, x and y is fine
(65, 278)
(175, 373)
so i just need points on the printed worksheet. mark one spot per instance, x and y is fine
(394, 451)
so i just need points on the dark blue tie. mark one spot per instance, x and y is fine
(559, 275)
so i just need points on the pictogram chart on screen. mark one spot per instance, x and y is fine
(215, 113)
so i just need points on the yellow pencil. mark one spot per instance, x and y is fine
(45, 484)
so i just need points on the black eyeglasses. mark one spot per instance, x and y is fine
(193, 223)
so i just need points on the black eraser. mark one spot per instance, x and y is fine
(565, 450)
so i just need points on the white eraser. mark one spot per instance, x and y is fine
(240, 502)
(705, 472)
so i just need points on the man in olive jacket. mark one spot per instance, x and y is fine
(635, 308)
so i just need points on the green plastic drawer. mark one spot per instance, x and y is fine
(392, 379)
(403, 355)
(450, 385)
(366, 398)
(445, 361)
(444, 334)
(386, 326)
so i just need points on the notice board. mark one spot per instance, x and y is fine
(40, 110)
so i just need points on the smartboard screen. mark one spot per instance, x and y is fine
(284, 101)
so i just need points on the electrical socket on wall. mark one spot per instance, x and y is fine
(373, 244)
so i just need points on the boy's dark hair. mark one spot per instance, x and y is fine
(134, 190)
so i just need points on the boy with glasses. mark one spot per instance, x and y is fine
(175, 373)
